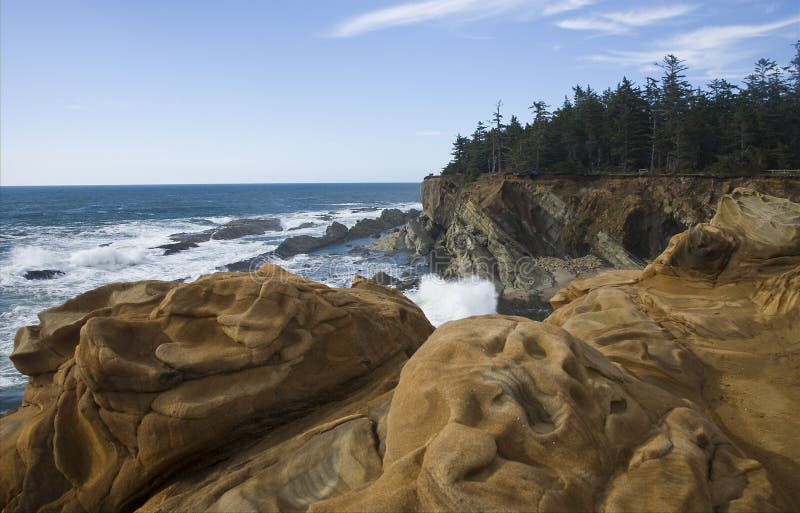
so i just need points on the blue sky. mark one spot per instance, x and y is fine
(179, 91)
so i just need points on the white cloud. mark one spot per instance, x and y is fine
(417, 12)
(709, 49)
(596, 24)
(411, 13)
(623, 21)
(565, 6)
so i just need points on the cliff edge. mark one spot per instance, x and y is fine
(500, 226)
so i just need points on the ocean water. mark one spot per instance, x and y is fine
(105, 234)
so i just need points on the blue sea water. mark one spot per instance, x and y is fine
(103, 234)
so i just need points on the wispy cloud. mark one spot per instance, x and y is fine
(417, 12)
(710, 48)
(623, 21)
(412, 13)
(565, 6)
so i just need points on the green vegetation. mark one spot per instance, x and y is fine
(665, 127)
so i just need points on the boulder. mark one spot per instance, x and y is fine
(504, 414)
(131, 384)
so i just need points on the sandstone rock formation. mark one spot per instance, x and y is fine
(132, 383)
(497, 225)
(671, 388)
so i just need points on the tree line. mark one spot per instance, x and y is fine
(664, 126)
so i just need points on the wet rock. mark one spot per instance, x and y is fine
(302, 226)
(335, 233)
(43, 274)
(338, 233)
(232, 230)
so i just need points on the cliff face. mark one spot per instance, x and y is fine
(672, 388)
(496, 225)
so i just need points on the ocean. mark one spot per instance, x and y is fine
(103, 234)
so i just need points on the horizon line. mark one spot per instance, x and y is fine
(208, 183)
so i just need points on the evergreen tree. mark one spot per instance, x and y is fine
(665, 126)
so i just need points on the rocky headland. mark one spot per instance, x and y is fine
(531, 236)
(665, 388)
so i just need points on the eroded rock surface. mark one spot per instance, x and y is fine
(672, 388)
(131, 383)
(498, 226)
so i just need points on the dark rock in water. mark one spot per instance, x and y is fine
(235, 229)
(44, 274)
(302, 226)
(336, 232)
(249, 264)
(244, 227)
(363, 209)
(390, 218)
(177, 247)
(107, 244)
(390, 281)
(408, 284)
(384, 279)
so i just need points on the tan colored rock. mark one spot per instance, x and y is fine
(132, 382)
(504, 414)
(668, 389)
(715, 318)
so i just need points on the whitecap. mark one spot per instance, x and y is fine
(448, 300)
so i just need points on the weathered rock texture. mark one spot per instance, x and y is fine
(672, 388)
(133, 383)
(497, 225)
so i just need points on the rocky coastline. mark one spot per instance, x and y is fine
(532, 236)
(665, 385)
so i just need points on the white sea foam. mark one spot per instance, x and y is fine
(107, 257)
(449, 300)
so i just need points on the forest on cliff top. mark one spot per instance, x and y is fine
(664, 126)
